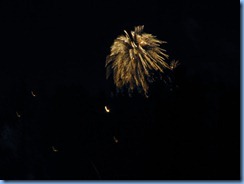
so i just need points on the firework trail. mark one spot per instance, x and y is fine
(136, 60)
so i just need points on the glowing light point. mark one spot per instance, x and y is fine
(54, 149)
(115, 139)
(174, 64)
(33, 94)
(18, 115)
(106, 109)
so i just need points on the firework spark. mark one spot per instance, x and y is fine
(135, 60)
(106, 109)
(33, 94)
(18, 114)
(174, 64)
(54, 149)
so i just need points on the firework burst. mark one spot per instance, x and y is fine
(136, 60)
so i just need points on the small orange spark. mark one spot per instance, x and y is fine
(106, 109)
(18, 115)
(115, 139)
(174, 64)
(33, 93)
(54, 149)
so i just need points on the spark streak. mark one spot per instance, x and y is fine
(18, 115)
(115, 139)
(54, 149)
(33, 93)
(106, 109)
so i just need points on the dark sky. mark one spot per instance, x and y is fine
(57, 49)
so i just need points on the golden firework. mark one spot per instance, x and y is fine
(135, 60)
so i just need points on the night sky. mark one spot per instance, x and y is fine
(53, 91)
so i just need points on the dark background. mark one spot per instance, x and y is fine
(57, 49)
